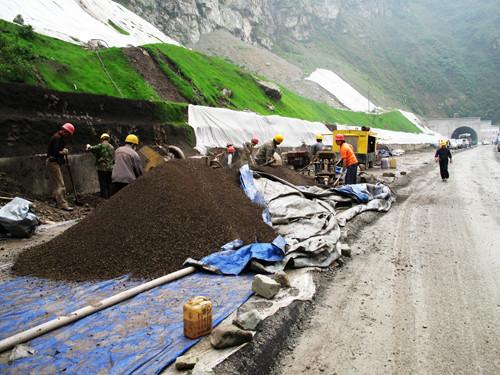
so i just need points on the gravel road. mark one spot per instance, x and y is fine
(422, 292)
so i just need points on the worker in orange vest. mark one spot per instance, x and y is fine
(349, 160)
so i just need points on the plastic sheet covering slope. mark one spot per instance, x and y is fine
(306, 216)
(78, 21)
(216, 127)
(343, 91)
(141, 335)
(17, 219)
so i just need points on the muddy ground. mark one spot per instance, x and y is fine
(421, 294)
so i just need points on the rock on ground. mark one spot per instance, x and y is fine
(265, 286)
(226, 337)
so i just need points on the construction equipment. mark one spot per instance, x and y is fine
(364, 144)
(325, 167)
(298, 159)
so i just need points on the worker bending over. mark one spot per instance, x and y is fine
(56, 157)
(349, 160)
(265, 154)
(248, 149)
(128, 165)
(442, 156)
(104, 155)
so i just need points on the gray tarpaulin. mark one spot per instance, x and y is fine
(307, 219)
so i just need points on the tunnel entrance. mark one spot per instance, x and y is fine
(465, 130)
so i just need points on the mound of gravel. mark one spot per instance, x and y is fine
(181, 209)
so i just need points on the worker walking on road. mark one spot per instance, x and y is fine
(56, 157)
(315, 150)
(248, 149)
(349, 160)
(265, 153)
(442, 156)
(128, 165)
(104, 154)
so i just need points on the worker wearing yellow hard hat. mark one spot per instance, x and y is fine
(104, 156)
(315, 150)
(443, 156)
(265, 153)
(128, 165)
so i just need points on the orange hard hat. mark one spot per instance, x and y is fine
(339, 137)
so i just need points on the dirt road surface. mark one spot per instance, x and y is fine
(422, 292)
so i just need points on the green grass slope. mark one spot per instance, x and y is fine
(38, 60)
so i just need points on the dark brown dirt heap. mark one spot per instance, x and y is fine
(181, 209)
(287, 174)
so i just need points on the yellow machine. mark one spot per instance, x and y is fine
(363, 142)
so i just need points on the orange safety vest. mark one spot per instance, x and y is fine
(347, 154)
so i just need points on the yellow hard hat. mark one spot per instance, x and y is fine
(132, 138)
(319, 137)
(278, 138)
(104, 136)
(442, 142)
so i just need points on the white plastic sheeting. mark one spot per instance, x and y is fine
(216, 127)
(84, 20)
(343, 91)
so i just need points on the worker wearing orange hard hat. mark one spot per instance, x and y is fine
(265, 154)
(349, 160)
(56, 157)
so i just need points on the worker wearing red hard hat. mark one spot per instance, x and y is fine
(56, 157)
(248, 150)
(230, 151)
(349, 160)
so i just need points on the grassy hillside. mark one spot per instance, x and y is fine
(434, 58)
(35, 59)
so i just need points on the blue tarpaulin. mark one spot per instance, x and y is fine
(141, 335)
(233, 262)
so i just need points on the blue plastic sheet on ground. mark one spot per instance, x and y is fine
(233, 262)
(141, 335)
(358, 192)
(251, 191)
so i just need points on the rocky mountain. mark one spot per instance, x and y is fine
(433, 58)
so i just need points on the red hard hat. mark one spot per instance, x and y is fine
(69, 128)
(339, 137)
(255, 140)
(231, 150)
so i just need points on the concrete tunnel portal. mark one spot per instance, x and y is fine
(465, 130)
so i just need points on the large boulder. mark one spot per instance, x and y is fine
(272, 90)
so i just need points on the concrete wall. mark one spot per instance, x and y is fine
(29, 173)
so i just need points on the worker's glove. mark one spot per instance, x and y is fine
(88, 147)
(65, 151)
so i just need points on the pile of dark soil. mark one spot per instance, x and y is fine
(287, 174)
(181, 209)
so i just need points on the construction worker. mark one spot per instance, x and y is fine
(230, 151)
(247, 154)
(349, 160)
(442, 156)
(128, 166)
(265, 153)
(315, 150)
(56, 157)
(104, 154)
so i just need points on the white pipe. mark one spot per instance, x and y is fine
(61, 321)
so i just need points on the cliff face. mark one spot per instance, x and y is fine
(254, 21)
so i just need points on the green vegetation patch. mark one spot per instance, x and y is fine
(66, 67)
(118, 28)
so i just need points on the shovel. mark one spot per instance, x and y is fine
(77, 201)
(342, 174)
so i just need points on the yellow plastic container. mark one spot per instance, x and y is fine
(393, 163)
(197, 317)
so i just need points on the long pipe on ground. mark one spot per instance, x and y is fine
(61, 321)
